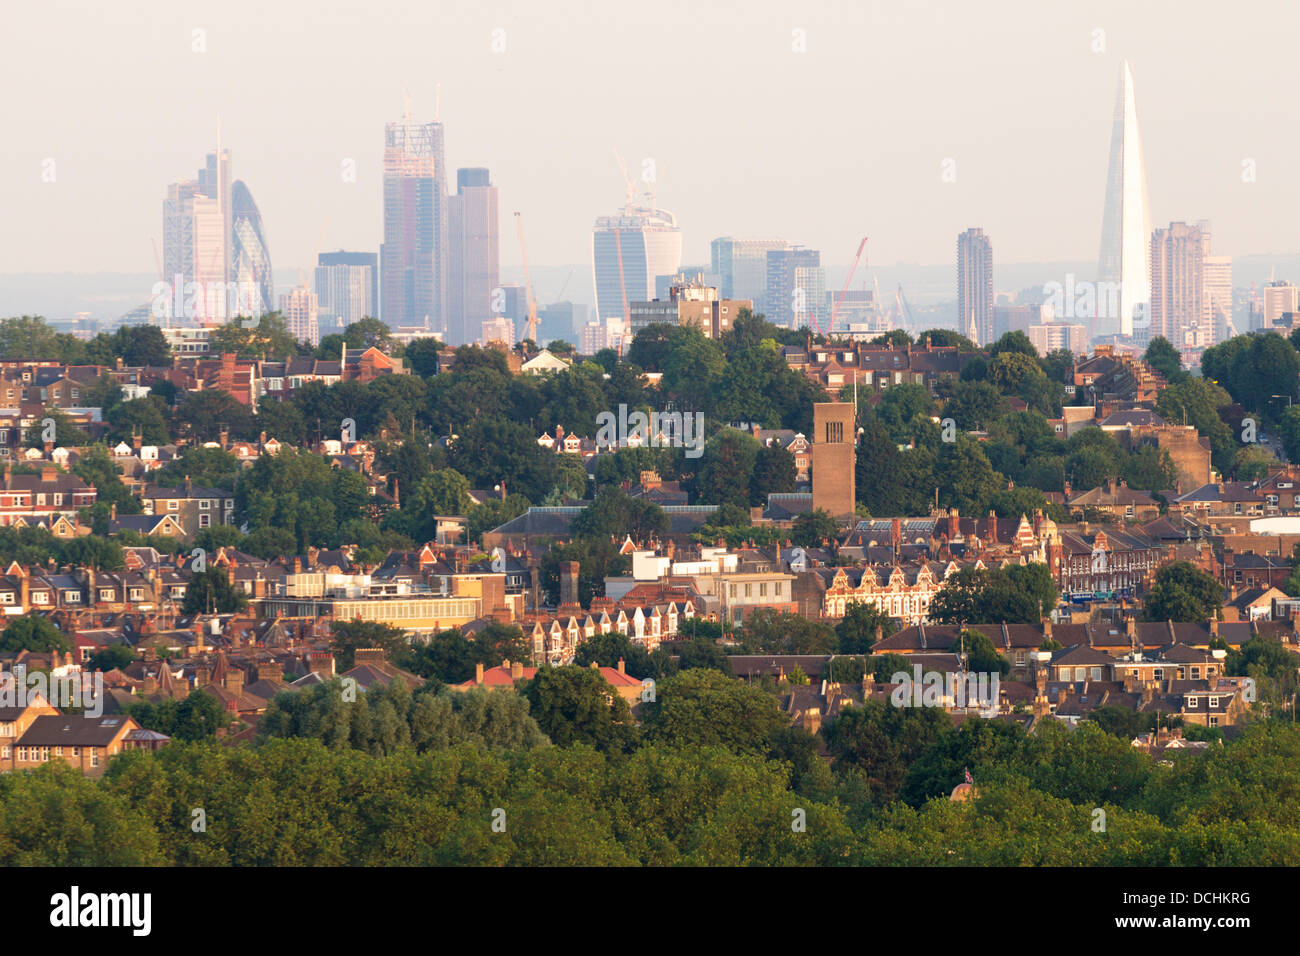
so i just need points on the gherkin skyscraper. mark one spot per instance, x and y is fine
(1124, 267)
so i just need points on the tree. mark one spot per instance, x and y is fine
(607, 650)
(110, 657)
(1183, 592)
(576, 705)
(1016, 595)
(724, 476)
(33, 633)
(862, 625)
(1198, 402)
(779, 632)
(346, 637)
(1013, 342)
(1164, 358)
(268, 339)
(210, 592)
(615, 513)
(981, 655)
(703, 708)
(811, 528)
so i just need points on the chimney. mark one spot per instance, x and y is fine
(1061, 694)
(516, 669)
(569, 583)
(235, 680)
(322, 663)
(620, 666)
(48, 474)
(478, 673)
(189, 486)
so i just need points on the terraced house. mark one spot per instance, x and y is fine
(43, 497)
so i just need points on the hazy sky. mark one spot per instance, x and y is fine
(748, 137)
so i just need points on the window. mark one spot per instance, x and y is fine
(749, 590)
(205, 520)
(7, 597)
(94, 758)
(76, 751)
(1214, 721)
(173, 505)
(1214, 702)
(58, 751)
(1196, 673)
(7, 752)
(762, 589)
(776, 588)
(45, 754)
(205, 504)
(22, 753)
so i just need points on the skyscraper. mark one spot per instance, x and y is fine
(474, 255)
(215, 255)
(346, 285)
(628, 250)
(194, 253)
(1280, 297)
(250, 258)
(975, 286)
(214, 182)
(301, 318)
(741, 268)
(413, 258)
(1191, 290)
(796, 287)
(1125, 226)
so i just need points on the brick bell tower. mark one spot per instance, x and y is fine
(834, 458)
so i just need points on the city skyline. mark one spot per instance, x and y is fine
(1041, 203)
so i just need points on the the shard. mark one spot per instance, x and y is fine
(1124, 269)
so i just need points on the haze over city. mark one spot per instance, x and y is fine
(748, 136)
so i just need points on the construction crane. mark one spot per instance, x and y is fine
(905, 308)
(528, 282)
(862, 248)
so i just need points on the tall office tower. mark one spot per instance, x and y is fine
(194, 250)
(516, 303)
(789, 297)
(809, 296)
(1218, 289)
(628, 250)
(301, 317)
(345, 284)
(473, 269)
(413, 258)
(250, 258)
(214, 182)
(560, 320)
(1280, 297)
(1182, 300)
(975, 286)
(1125, 227)
(741, 268)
